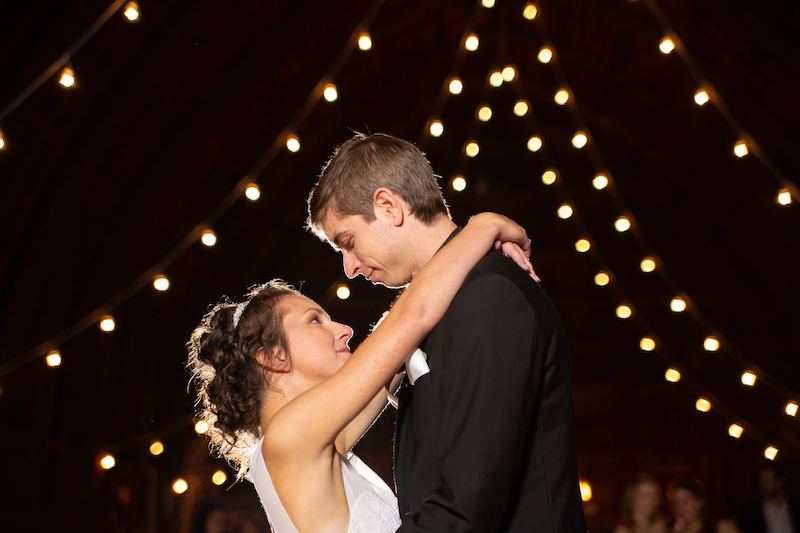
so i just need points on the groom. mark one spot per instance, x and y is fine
(484, 441)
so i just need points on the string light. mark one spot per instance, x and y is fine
(364, 41)
(586, 490)
(666, 45)
(530, 12)
(565, 211)
(740, 149)
(791, 409)
(472, 42)
(209, 238)
(545, 55)
(521, 108)
(485, 113)
(534, 143)
(601, 279)
(180, 486)
(648, 264)
(561, 97)
(647, 344)
(330, 93)
(622, 224)
(784, 196)
(455, 86)
(156, 448)
(711, 344)
(749, 379)
(509, 73)
(600, 182)
(292, 143)
(219, 477)
(458, 183)
(678, 305)
(53, 358)
(107, 323)
(771, 453)
(701, 97)
(582, 245)
(496, 79)
(702, 405)
(735, 431)
(472, 149)
(623, 312)
(487, 3)
(548, 177)
(201, 427)
(252, 192)
(67, 77)
(437, 128)
(161, 283)
(2, 140)
(108, 462)
(131, 11)
(343, 292)
(672, 375)
(579, 140)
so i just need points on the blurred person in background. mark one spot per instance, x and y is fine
(641, 507)
(690, 512)
(773, 511)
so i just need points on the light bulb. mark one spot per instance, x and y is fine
(364, 41)
(771, 453)
(472, 149)
(521, 108)
(702, 405)
(131, 11)
(161, 283)
(791, 409)
(67, 78)
(749, 379)
(253, 192)
(622, 224)
(472, 42)
(107, 323)
(601, 279)
(701, 97)
(534, 144)
(508, 73)
(485, 113)
(623, 311)
(2, 140)
(740, 149)
(600, 182)
(157, 448)
(459, 183)
(582, 245)
(565, 211)
(529, 12)
(677, 304)
(648, 264)
(53, 358)
(108, 462)
(219, 477)
(561, 97)
(586, 490)
(487, 3)
(496, 79)
(330, 93)
(735, 431)
(180, 486)
(711, 344)
(579, 140)
(784, 196)
(437, 128)
(545, 55)
(455, 86)
(647, 344)
(201, 427)
(343, 292)
(209, 238)
(672, 375)
(666, 45)
(292, 143)
(548, 177)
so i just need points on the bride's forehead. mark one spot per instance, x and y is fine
(295, 304)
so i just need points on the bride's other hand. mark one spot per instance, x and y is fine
(517, 254)
(512, 240)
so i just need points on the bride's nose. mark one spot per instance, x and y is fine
(344, 332)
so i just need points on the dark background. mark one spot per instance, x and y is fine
(101, 183)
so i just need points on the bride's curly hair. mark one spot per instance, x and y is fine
(230, 381)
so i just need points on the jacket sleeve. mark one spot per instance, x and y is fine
(489, 387)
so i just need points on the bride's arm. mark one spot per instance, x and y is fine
(356, 429)
(314, 419)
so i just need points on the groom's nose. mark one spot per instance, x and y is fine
(352, 266)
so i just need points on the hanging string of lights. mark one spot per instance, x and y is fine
(707, 93)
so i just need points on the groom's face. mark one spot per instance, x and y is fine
(371, 249)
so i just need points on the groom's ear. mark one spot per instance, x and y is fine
(388, 205)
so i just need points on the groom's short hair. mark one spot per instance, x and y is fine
(364, 163)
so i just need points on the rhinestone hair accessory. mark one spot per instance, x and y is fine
(238, 313)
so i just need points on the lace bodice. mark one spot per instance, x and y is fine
(373, 506)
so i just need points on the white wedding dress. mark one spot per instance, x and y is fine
(373, 505)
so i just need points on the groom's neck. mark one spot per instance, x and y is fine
(427, 239)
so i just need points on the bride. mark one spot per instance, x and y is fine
(286, 400)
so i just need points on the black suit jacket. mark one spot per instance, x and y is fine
(484, 442)
(751, 517)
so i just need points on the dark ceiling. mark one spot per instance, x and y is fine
(109, 182)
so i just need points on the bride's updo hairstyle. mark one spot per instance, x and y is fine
(230, 380)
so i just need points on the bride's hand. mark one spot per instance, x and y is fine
(511, 239)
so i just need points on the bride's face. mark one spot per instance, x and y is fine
(318, 345)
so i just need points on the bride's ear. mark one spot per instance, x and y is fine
(274, 361)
